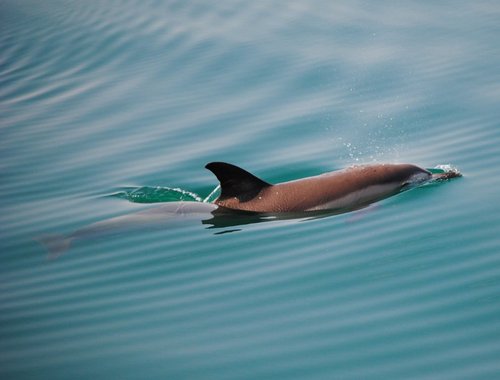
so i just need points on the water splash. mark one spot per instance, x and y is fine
(148, 194)
(447, 168)
(212, 195)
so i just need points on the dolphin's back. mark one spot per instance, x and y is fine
(345, 188)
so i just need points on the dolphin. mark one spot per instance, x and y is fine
(346, 189)
(245, 198)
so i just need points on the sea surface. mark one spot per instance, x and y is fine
(110, 108)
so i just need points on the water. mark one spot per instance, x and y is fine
(107, 108)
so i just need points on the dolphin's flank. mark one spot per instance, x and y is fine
(349, 188)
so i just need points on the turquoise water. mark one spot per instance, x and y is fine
(107, 108)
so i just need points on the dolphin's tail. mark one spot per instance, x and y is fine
(55, 244)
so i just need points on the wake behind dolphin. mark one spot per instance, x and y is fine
(245, 198)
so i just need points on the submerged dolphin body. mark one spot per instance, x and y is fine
(247, 199)
(149, 219)
(345, 189)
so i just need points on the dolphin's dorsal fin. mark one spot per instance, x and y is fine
(236, 182)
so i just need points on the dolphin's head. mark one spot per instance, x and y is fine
(415, 176)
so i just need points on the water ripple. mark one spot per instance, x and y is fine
(106, 108)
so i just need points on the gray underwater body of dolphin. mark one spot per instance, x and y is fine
(243, 197)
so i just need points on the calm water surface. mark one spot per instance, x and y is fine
(107, 108)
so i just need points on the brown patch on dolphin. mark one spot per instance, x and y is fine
(350, 188)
